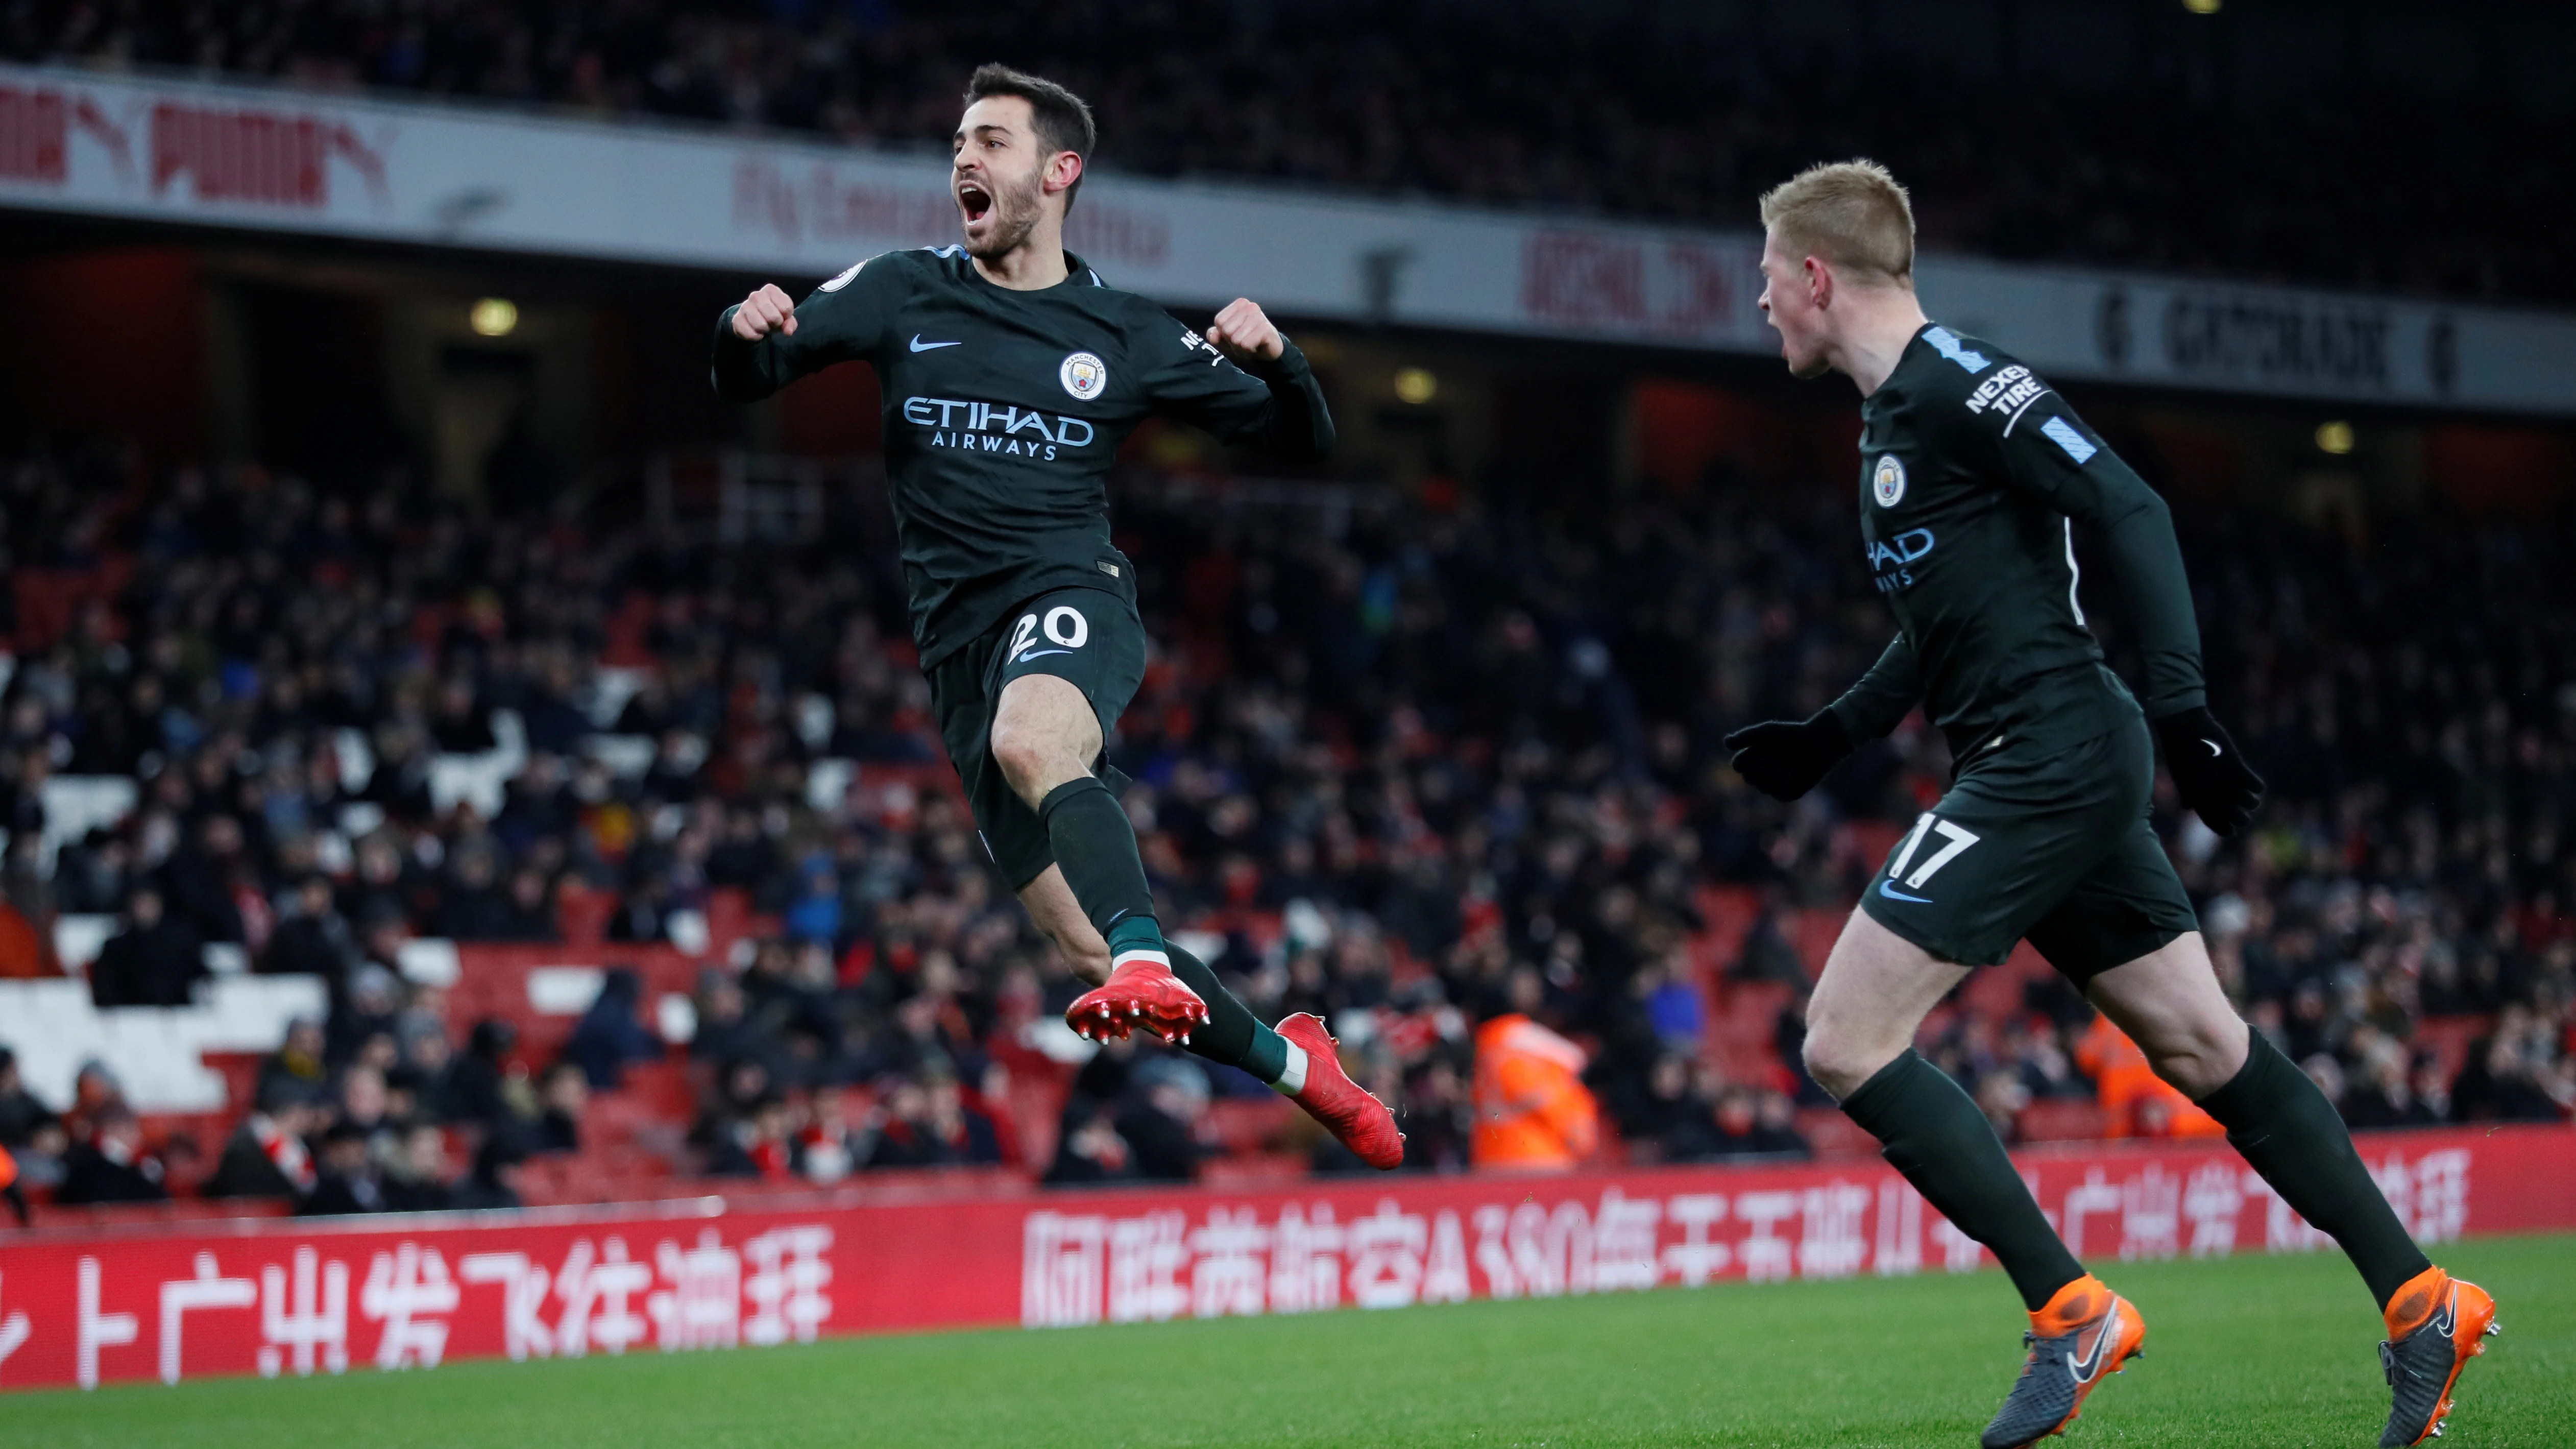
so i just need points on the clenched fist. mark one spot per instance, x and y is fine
(1243, 332)
(769, 310)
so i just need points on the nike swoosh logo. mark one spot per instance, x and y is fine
(920, 346)
(2090, 1365)
(1888, 889)
(2448, 1319)
(1041, 654)
(2214, 750)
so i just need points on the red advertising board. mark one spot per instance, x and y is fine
(288, 1297)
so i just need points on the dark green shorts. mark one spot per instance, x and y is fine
(1089, 637)
(2050, 844)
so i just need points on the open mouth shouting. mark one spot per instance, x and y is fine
(974, 202)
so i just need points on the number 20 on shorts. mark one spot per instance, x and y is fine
(1063, 625)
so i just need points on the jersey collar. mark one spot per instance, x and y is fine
(1077, 273)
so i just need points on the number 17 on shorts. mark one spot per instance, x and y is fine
(1946, 842)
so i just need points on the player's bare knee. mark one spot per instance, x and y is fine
(1028, 760)
(2197, 1062)
(1838, 1061)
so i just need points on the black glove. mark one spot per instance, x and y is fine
(2209, 771)
(1785, 758)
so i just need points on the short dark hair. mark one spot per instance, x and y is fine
(1062, 120)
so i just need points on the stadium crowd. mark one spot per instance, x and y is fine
(1452, 763)
(2216, 159)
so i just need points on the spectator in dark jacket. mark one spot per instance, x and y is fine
(200, 877)
(1755, 1126)
(1439, 1119)
(21, 1115)
(298, 1059)
(726, 1031)
(483, 1082)
(1088, 1149)
(372, 1008)
(426, 1072)
(111, 1166)
(609, 1034)
(1165, 1101)
(562, 1094)
(473, 906)
(154, 961)
(347, 1180)
(2497, 1084)
(1672, 1114)
(266, 1156)
(418, 1174)
(494, 1183)
(530, 915)
(416, 1180)
(315, 940)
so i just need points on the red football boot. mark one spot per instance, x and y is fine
(1359, 1119)
(1141, 991)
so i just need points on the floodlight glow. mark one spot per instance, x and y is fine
(494, 317)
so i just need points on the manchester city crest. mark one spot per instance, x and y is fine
(1887, 484)
(1084, 375)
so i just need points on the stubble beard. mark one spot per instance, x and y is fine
(1015, 215)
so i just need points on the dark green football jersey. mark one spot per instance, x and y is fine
(1003, 413)
(1974, 473)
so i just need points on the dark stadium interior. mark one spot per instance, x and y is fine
(2370, 144)
(1430, 734)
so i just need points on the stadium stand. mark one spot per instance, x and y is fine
(621, 857)
(2249, 145)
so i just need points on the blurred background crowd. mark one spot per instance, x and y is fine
(2115, 132)
(1437, 770)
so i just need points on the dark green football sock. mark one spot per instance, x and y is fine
(1233, 1035)
(1930, 1130)
(2280, 1123)
(1096, 847)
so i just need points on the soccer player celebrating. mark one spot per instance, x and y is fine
(1011, 373)
(1973, 475)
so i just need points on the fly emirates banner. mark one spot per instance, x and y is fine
(521, 181)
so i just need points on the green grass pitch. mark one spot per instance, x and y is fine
(2269, 1351)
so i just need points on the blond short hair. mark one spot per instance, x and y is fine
(1851, 213)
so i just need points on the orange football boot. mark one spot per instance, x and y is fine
(2436, 1324)
(2082, 1336)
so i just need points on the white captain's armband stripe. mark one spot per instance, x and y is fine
(843, 280)
(2063, 434)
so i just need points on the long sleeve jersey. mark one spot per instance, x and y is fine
(1974, 473)
(1004, 411)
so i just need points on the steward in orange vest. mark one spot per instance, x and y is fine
(1533, 1113)
(2135, 1101)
